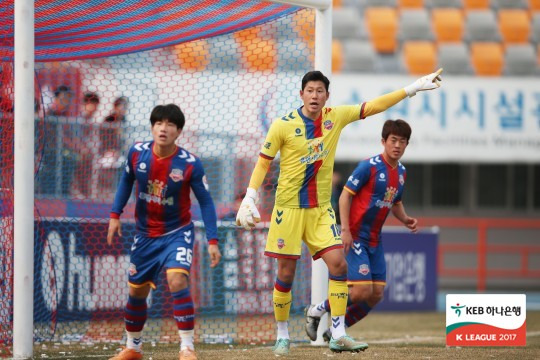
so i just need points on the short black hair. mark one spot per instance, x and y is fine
(61, 89)
(169, 112)
(396, 127)
(91, 97)
(315, 76)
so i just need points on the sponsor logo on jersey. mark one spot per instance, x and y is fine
(267, 145)
(388, 200)
(142, 167)
(176, 175)
(328, 124)
(364, 269)
(315, 150)
(156, 191)
(401, 180)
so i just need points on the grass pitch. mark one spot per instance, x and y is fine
(390, 336)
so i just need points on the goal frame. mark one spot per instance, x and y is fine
(23, 216)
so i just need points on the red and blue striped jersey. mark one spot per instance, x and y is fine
(376, 187)
(162, 190)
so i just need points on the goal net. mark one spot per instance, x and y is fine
(92, 105)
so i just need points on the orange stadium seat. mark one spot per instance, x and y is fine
(476, 4)
(337, 56)
(193, 55)
(420, 57)
(304, 26)
(408, 4)
(514, 25)
(487, 58)
(382, 24)
(258, 53)
(448, 24)
(534, 5)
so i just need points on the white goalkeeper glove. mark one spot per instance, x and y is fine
(248, 215)
(428, 82)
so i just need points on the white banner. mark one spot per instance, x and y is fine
(466, 120)
(486, 320)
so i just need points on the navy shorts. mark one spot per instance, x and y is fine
(149, 255)
(366, 265)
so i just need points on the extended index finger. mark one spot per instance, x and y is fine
(437, 75)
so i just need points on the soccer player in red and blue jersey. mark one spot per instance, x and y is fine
(373, 190)
(164, 174)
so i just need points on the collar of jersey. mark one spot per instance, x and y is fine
(299, 110)
(166, 157)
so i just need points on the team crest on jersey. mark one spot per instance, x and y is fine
(364, 269)
(176, 175)
(328, 124)
(132, 269)
(401, 180)
(280, 243)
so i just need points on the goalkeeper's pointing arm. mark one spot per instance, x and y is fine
(248, 215)
(380, 104)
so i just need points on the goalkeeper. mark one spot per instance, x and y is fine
(307, 139)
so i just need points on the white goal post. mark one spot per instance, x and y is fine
(24, 57)
(23, 214)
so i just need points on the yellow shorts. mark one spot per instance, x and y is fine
(316, 226)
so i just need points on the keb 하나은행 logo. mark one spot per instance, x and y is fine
(486, 320)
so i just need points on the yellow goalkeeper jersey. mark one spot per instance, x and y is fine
(307, 149)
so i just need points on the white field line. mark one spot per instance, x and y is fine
(408, 339)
